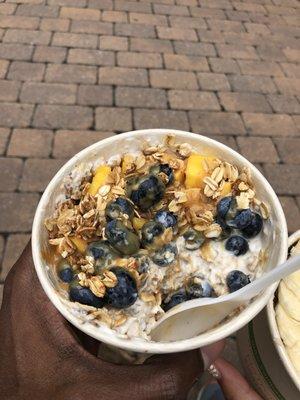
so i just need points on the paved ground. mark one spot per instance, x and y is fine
(75, 71)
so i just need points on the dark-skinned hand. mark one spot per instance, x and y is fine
(43, 357)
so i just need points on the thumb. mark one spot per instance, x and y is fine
(233, 384)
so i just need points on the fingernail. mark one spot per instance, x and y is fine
(211, 391)
(214, 372)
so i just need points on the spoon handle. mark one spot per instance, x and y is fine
(285, 269)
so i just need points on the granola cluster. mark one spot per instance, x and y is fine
(187, 186)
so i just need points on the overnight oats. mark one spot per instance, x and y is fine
(141, 232)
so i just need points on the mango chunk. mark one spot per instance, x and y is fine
(196, 170)
(100, 178)
(138, 223)
(80, 243)
(226, 189)
(179, 175)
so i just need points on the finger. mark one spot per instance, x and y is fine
(234, 385)
(211, 353)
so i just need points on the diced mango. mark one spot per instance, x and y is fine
(80, 243)
(138, 223)
(179, 175)
(226, 189)
(196, 170)
(100, 178)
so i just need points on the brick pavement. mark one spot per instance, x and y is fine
(75, 71)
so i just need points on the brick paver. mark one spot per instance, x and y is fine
(14, 245)
(75, 71)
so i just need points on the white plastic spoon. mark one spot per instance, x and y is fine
(193, 317)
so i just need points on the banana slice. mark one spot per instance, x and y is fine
(294, 354)
(289, 301)
(288, 313)
(288, 327)
(293, 283)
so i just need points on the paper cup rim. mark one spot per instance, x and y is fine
(278, 342)
(139, 345)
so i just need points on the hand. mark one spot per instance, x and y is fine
(233, 384)
(230, 385)
(42, 357)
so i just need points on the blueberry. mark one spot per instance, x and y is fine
(165, 255)
(65, 272)
(177, 298)
(121, 238)
(254, 227)
(151, 233)
(165, 169)
(194, 291)
(117, 208)
(124, 294)
(101, 252)
(242, 219)
(146, 192)
(237, 244)
(198, 290)
(208, 290)
(132, 185)
(193, 239)
(226, 230)
(167, 218)
(84, 295)
(226, 211)
(236, 280)
(223, 206)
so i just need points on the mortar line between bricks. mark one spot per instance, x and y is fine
(7, 142)
(173, 46)
(44, 73)
(168, 21)
(167, 99)
(21, 175)
(248, 133)
(277, 150)
(93, 126)
(52, 143)
(31, 120)
(219, 100)
(132, 117)
(151, 8)
(77, 85)
(39, 24)
(114, 89)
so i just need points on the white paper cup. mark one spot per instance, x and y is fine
(293, 239)
(263, 355)
(132, 141)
